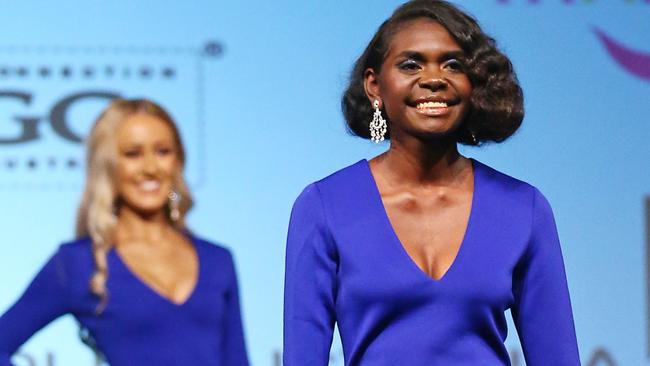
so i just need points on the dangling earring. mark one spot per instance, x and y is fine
(378, 124)
(174, 203)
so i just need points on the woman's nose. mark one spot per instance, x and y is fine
(150, 165)
(433, 81)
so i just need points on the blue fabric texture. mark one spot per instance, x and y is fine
(138, 326)
(345, 265)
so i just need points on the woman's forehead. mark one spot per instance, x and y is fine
(420, 35)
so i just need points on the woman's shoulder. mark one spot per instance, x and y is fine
(506, 189)
(212, 249)
(345, 179)
(73, 261)
(344, 176)
(496, 177)
(77, 249)
(215, 259)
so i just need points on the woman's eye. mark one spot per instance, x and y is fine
(455, 65)
(132, 153)
(409, 65)
(164, 151)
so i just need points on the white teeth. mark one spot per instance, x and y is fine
(431, 105)
(149, 185)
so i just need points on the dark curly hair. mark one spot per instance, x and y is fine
(496, 104)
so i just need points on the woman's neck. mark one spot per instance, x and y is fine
(416, 162)
(134, 226)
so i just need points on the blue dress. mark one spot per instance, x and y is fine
(345, 264)
(138, 326)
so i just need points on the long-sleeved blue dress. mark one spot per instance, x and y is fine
(138, 326)
(345, 264)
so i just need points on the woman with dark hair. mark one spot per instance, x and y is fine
(417, 253)
(144, 289)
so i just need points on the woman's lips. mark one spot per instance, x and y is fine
(432, 109)
(149, 186)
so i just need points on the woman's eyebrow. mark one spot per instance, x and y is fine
(452, 54)
(418, 56)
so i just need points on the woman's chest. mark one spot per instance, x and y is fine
(133, 309)
(431, 228)
(375, 269)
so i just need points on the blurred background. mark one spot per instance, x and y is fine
(255, 87)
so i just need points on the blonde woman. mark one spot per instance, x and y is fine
(146, 290)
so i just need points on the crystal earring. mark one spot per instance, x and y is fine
(174, 203)
(378, 125)
(474, 140)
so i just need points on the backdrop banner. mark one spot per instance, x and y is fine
(255, 88)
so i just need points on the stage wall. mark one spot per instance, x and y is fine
(256, 86)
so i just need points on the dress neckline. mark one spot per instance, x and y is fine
(149, 289)
(380, 209)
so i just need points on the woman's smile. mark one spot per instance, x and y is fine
(149, 186)
(433, 109)
(433, 106)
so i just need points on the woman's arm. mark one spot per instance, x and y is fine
(45, 299)
(542, 308)
(234, 345)
(310, 284)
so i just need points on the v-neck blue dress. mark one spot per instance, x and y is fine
(139, 326)
(345, 265)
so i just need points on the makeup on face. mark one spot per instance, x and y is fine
(147, 162)
(422, 83)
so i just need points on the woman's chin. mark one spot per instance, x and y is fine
(147, 211)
